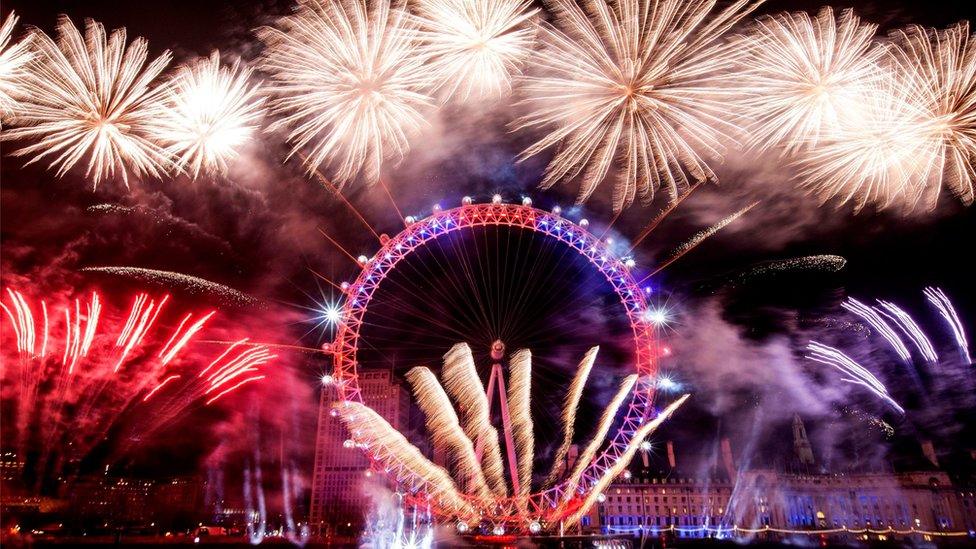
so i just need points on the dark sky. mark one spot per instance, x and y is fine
(257, 230)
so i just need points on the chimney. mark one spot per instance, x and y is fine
(727, 460)
(671, 454)
(928, 450)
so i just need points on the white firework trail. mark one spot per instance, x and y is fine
(603, 428)
(625, 458)
(911, 328)
(445, 430)
(569, 413)
(941, 302)
(880, 325)
(460, 378)
(519, 406)
(857, 374)
(192, 285)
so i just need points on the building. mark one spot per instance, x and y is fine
(339, 498)
(660, 499)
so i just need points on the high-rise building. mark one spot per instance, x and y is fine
(339, 497)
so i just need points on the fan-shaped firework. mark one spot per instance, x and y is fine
(881, 155)
(92, 96)
(470, 443)
(803, 74)
(476, 47)
(624, 86)
(940, 69)
(13, 64)
(77, 366)
(348, 79)
(210, 112)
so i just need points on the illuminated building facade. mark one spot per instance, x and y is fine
(339, 494)
(662, 501)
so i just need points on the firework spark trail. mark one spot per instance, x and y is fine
(882, 155)
(629, 82)
(568, 417)
(519, 406)
(939, 68)
(14, 60)
(623, 461)
(941, 302)
(475, 48)
(211, 111)
(859, 375)
(348, 84)
(460, 378)
(104, 367)
(91, 96)
(804, 74)
(908, 325)
(445, 430)
(600, 435)
(385, 440)
(180, 337)
(193, 285)
(698, 238)
(879, 324)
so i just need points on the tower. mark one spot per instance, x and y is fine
(801, 444)
(338, 497)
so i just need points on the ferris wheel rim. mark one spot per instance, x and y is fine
(615, 270)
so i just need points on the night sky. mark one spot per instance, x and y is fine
(739, 350)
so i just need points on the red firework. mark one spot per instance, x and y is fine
(72, 371)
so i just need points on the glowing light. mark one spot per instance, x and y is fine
(535, 527)
(92, 96)
(327, 379)
(645, 446)
(658, 317)
(666, 383)
(496, 199)
(348, 84)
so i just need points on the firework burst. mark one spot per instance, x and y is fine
(625, 86)
(476, 47)
(348, 80)
(804, 74)
(14, 57)
(940, 70)
(881, 155)
(210, 112)
(92, 96)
